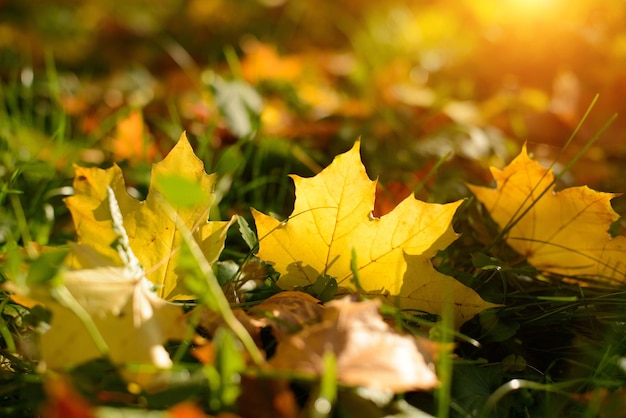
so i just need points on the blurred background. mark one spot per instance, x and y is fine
(291, 83)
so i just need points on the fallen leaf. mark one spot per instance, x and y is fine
(131, 320)
(564, 232)
(153, 235)
(332, 217)
(368, 352)
(287, 312)
(209, 321)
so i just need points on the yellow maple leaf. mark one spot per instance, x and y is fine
(130, 322)
(332, 217)
(564, 232)
(153, 235)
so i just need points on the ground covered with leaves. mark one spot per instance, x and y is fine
(279, 208)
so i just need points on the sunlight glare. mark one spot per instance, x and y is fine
(530, 6)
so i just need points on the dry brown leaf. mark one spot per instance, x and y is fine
(209, 321)
(368, 352)
(287, 312)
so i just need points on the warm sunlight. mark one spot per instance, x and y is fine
(285, 208)
(530, 7)
(518, 12)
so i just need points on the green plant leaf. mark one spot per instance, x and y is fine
(247, 233)
(239, 103)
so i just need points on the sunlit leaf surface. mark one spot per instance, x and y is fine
(565, 232)
(332, 218)
(150, 224)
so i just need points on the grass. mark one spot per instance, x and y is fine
(553, 349)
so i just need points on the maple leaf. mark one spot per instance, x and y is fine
(564, 232)
(152, 232)
(369, 353)
(332, 217)
(130, 323)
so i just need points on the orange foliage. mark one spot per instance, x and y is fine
(132, 140)
(63, 401)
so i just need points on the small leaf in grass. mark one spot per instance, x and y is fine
(497, 327)
(514, 363)
(247, 233)
(325, 288)
(240, 104)
(472, 385)
(485, 262)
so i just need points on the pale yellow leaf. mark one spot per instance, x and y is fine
(152, 232)
(129, 317)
